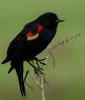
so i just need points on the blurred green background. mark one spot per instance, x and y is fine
(67, 79)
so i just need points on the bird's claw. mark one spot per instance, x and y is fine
(41, 61)
(38, 71)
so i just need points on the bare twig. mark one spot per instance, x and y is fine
(42, 87)
(67, 40)
(38, 84)
(26, 82)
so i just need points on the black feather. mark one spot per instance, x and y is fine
(19, 70)
(6, 60)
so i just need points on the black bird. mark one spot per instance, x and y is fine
(31, 41)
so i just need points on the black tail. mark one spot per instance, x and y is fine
(19, 70)
(6, 60)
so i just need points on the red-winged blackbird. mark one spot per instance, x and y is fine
(32, 40)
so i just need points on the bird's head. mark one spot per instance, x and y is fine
(49, 20)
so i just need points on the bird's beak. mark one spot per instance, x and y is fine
(60, 20)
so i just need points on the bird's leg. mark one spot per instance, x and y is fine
(37, 64)
(37, 70)
(40, 68)
(40, 61)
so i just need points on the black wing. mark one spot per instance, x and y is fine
(14, 43)
(20, 46)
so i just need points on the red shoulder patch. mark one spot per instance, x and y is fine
(39, 28)
(30, 34)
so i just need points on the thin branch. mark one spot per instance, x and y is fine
(67, 40)
(26, 82)
(42, 87)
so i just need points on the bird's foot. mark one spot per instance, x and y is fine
(40, 61)
(38, 71)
